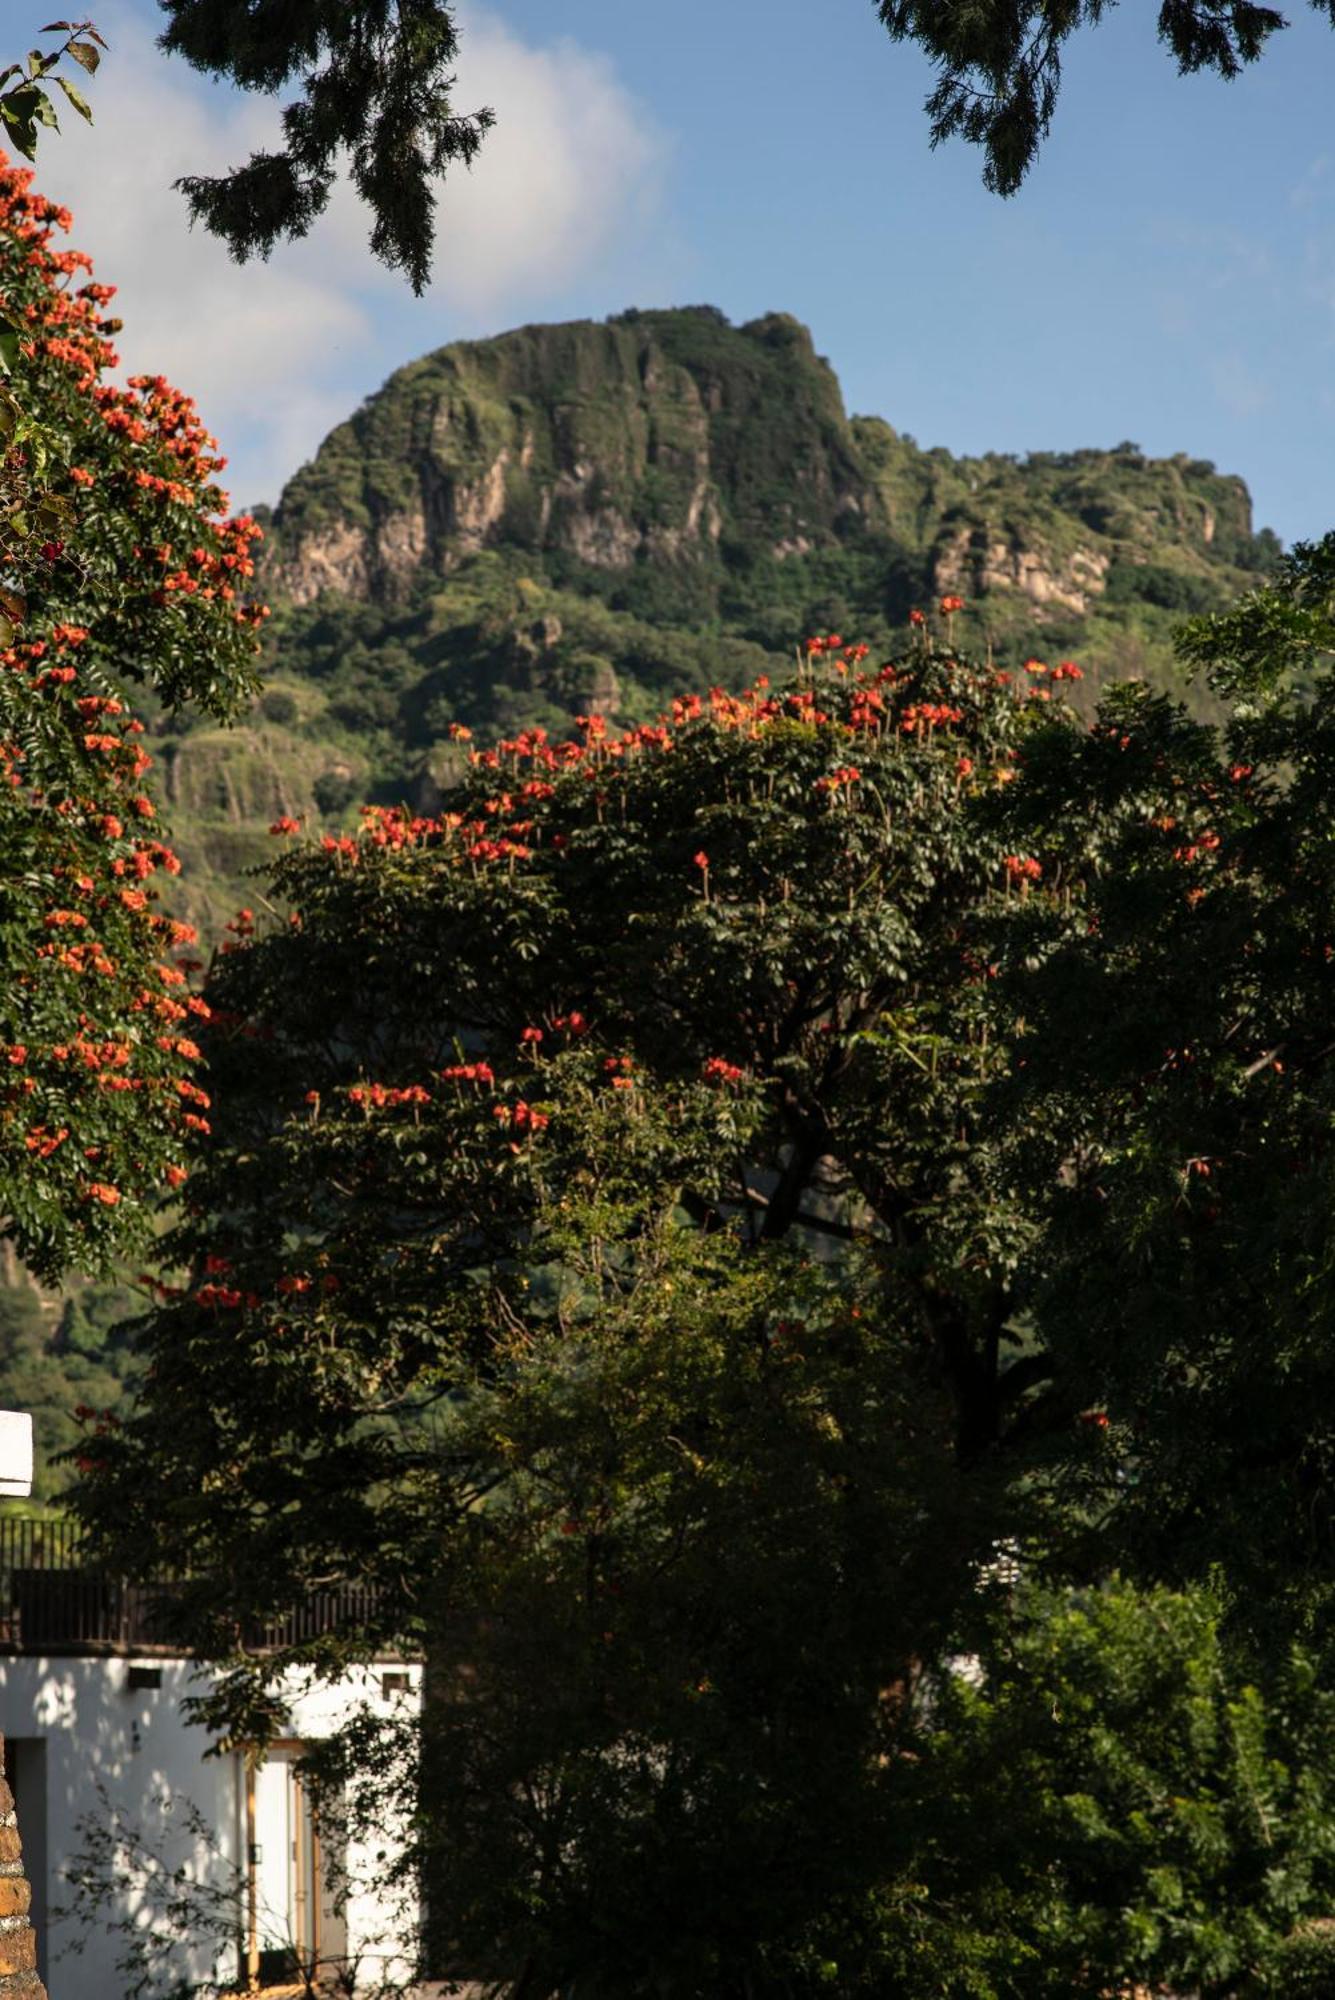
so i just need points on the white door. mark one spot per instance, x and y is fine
(283, 1871)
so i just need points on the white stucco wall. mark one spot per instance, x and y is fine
(75, 1724)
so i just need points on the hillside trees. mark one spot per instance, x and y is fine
(120, 578)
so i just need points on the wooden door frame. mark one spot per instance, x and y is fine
(295, 1746)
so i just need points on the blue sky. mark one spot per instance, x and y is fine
(1167, 274)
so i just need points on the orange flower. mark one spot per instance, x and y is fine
(717, 1070)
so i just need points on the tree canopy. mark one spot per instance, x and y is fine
(999, 63)
(375, 81)
(687, 1225)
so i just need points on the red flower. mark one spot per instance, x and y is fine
(701, 859)
(717, 1070)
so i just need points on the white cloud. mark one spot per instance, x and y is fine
(570, 173)
(275, 353)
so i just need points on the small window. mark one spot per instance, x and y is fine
(141, 1679)
(392, 1684)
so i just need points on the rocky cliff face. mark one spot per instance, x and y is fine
(593, 518)
(604, 446)
(673, 444)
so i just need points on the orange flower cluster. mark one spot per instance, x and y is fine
(717, 1070)
(378, 1095)
(474, 1072)
(841, 780)
(520, 1117)
(924, 715)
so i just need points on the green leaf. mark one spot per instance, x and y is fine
(18, 111)
(76, 98)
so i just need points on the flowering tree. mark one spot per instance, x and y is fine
(602, 1253)
(119, 575)
(646, 1239)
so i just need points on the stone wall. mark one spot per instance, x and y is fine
(18, 1942)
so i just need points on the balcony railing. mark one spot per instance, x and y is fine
(53, 1599)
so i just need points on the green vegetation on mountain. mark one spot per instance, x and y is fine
(598, 517)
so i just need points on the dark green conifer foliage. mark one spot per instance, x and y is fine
(999, 62)
(374, 81)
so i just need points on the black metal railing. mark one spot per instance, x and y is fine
(54, 1598)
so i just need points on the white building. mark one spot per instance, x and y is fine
(104, 1765)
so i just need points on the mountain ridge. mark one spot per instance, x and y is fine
(679, 502)
(600, 515)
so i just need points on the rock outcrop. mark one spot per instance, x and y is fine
(634, 441)
(672, 445)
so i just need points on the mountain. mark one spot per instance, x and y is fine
(597, 516)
